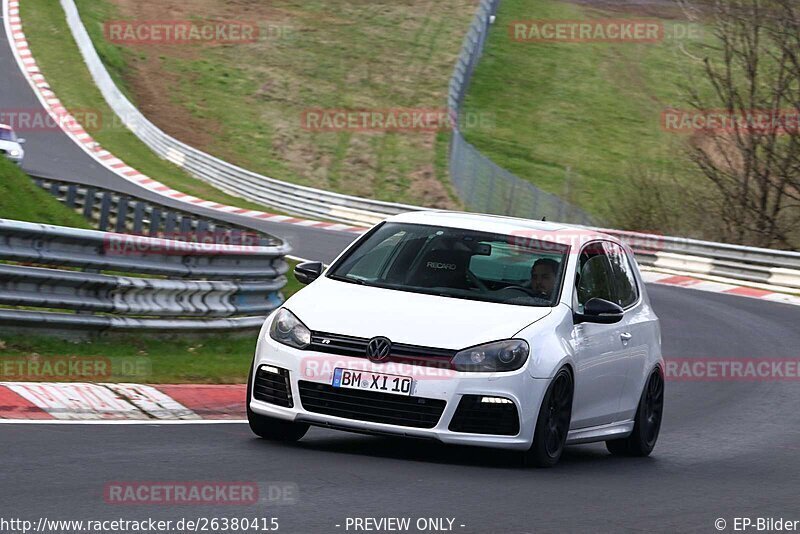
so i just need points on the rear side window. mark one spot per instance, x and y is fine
(595, 277)
(627, 292)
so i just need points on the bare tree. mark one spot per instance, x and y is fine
(752, 76)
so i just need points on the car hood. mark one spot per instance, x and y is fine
(427, 320)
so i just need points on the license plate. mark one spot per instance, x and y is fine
(368, 381)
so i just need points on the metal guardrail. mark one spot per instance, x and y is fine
(759, 265)
(226, 176)
(121, 213)
(193, 286)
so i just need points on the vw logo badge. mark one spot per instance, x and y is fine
(378, 349)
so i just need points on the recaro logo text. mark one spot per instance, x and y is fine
(438, 265)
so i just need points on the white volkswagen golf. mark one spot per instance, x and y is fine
(467, 329)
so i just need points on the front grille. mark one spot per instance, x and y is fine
(272, 387)
(371, 406)
(336, 344)
(476, 417)
(401, 353)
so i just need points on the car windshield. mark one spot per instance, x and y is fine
(456, 263)
(7, 134)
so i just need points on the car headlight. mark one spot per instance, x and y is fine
(14, 153)
(508, 355)
(287, 329)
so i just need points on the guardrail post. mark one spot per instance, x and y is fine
(88, 203)
(170, 223)
(122, 215)
(72, 192)
(155, 221)
(138, 217)
(186, 225)
(105, 211)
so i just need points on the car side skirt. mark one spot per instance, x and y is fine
(600, 433)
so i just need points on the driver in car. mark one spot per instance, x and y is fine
(544, 274)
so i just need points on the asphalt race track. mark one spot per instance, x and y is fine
(727, 449)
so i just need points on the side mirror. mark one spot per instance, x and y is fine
(599, 311)
(308, 272)
(21, 140)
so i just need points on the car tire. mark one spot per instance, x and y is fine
(272, 428)
(647, 423)
(552, 424)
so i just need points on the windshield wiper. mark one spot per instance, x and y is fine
(358, 281)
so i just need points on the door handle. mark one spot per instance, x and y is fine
(625, 336)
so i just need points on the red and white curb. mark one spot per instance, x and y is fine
(73, 129)
(79, 401)
(718, 286)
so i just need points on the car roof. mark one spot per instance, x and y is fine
(499, 224)
(6, 127)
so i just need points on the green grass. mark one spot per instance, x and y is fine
(218, 359)
(588, 110)
(244, 102)
(60, 61)
(22, 200)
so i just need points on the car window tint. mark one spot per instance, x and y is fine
(627, 292)
(371, 264)
(455, 262)
(507, 263)
(595, 278)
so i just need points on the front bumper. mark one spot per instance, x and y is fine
(310, 366)
(15, 159)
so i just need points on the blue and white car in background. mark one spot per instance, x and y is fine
(11, 145)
